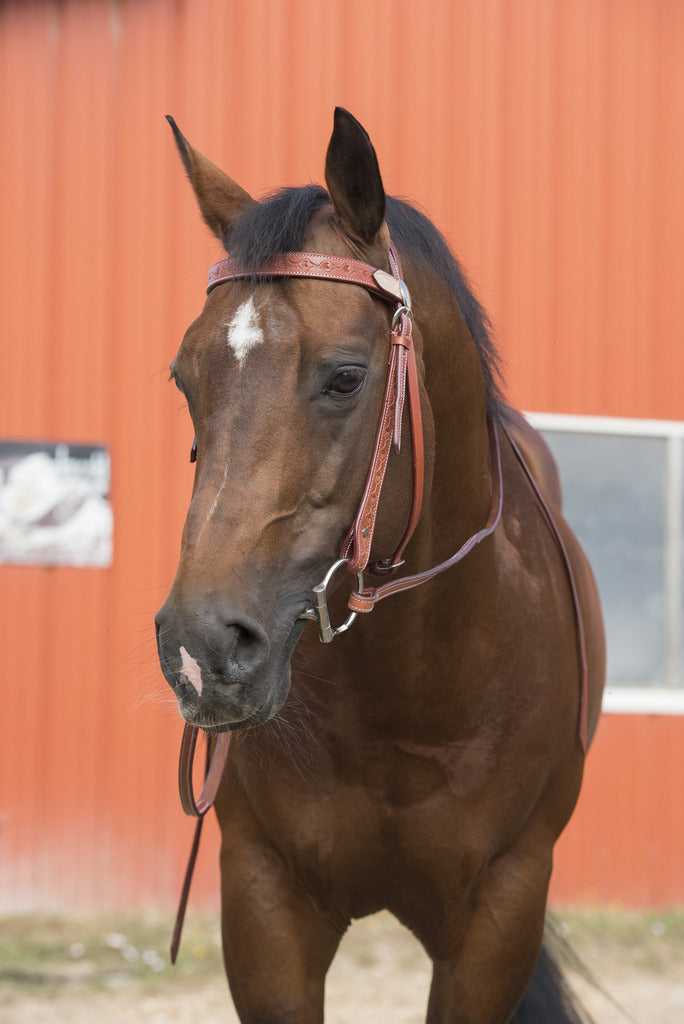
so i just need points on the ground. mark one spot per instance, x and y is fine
(115, 969)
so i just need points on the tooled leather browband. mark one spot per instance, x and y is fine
(315, 265)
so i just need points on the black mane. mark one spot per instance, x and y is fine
(417, 236)
(278, 224)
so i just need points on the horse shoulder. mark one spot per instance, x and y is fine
(538, 457)
(542, 466)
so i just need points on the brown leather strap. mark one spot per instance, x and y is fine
(314, 265)
(416, 420)
(185, 892)
(215, 768)
(357, 545)
(366, 600)
(402, 376)
(579, 623)
(213, 773)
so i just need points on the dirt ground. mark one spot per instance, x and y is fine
(106, 970)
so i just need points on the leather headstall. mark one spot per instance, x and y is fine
(402, 377)
(402, 380)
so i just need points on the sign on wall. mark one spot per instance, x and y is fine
(54, 504)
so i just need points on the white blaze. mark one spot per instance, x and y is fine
(244, 332)
(191, 670)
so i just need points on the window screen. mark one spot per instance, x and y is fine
(624, 496)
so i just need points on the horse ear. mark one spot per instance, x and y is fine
(353, 178)
(220, 199)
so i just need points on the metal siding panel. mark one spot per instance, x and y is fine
(26, 57)
(22, 662)
(76, 694)
(544, 144)
(623, 844)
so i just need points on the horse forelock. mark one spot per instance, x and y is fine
(279, 224)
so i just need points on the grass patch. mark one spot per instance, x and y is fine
(120, 950)
(105, 951)
(652, 941)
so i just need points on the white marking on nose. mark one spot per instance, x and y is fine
(244, 331)
(191, 670)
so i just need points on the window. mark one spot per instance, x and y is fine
(623, 487)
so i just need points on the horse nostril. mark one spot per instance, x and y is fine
(227, 647)
(247, 647)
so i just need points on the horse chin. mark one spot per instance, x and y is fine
(261, 716)
(215, 715)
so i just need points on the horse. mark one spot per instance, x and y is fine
(426, 762)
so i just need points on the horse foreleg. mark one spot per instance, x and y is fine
(277, 943)
(484, 979)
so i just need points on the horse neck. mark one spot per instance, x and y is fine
(460, 496)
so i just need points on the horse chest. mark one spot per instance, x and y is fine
(365, 834)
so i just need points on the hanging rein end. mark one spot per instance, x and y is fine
(215, 766)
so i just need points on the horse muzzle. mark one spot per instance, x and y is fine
(226, 672)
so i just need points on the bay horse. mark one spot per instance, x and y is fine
(427, 761)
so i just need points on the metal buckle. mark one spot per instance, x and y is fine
(400, 312)
(319, 612)
(405, 294)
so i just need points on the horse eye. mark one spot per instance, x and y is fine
(347, 382)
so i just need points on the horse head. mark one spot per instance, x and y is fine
(284, 382)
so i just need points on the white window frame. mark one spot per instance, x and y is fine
(645, 700)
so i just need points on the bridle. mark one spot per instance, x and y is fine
(401, 382)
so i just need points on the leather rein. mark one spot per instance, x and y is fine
(401, 383)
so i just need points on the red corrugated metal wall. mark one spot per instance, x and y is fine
(545, 138)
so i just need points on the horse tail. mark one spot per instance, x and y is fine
(548, 999)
